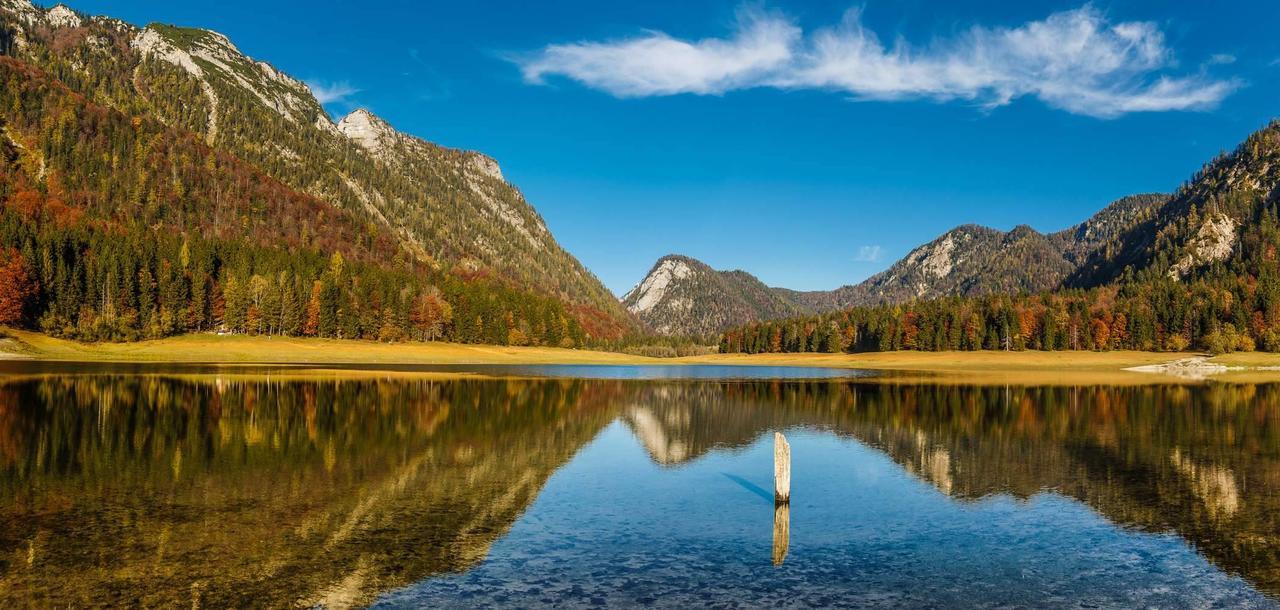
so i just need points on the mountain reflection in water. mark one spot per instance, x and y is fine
(161, 490)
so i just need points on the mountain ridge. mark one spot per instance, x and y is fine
(667, 299)
(449, 208)
(1197, 270)
(448, 215)
(968, 260)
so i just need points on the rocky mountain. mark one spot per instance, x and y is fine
(1102, 229)
(1221, 222)
(1198, 270)
(967, 260)
(974, 260)
(448, 209)
(683, 296)
(1219, 229)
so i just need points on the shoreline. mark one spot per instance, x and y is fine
(1127, 367)
(242, 349)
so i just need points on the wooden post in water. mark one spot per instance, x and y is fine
(781, 469)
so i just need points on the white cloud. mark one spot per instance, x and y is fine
(1221, 59)
(1077, 60)
(656, 64)
(869, 254)
(326, 93)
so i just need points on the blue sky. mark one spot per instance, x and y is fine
(810, 143)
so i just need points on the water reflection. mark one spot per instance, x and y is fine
(1159, 459)
(160, 492)
(194, 490)
(781, 532)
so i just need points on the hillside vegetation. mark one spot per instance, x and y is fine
(157, 181)
(1198, 271)
(682, 296)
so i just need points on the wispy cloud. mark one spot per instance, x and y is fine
(869, 254)
(1078, 61)
(763, 45)
(1221, 59)
(331, 92)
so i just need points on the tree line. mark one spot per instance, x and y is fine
(124, 283)
(1162, 315)
(117, 228)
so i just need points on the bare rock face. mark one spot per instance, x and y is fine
(62, 17)
(485, 165)
(208, 55)
(781, 469)
(368, 131)
(1212, 243)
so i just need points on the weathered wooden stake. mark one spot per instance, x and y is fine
(781, 469)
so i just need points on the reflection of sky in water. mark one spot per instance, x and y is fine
(559, 371)
(614, 528)
(700, 371)
(256, 489)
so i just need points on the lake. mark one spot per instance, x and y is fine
(200, 486)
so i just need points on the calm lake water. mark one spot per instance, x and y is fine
(607, 486)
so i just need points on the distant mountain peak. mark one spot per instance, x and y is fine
(971, 260)
(684, 296)
(652, 290)
(29, 15)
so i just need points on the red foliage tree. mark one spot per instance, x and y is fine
(18, 286)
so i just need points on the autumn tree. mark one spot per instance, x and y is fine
(311, 323)
(18, 287)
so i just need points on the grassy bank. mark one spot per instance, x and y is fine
(987, 367)
(953, 361)
(984, 368)
(285, 350)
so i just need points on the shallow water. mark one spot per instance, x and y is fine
(179, 485)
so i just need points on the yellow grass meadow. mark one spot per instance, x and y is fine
(1067, 367)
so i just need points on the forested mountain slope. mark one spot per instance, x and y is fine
(1102, 229)
(447, 209)
(973, 260)
(1199, 270)
(116, 225)
(1221, 222)
(970, 260)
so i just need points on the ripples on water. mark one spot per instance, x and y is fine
(254, 487)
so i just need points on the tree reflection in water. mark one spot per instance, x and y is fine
(165, 490)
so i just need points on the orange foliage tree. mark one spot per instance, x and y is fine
(18, 286)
